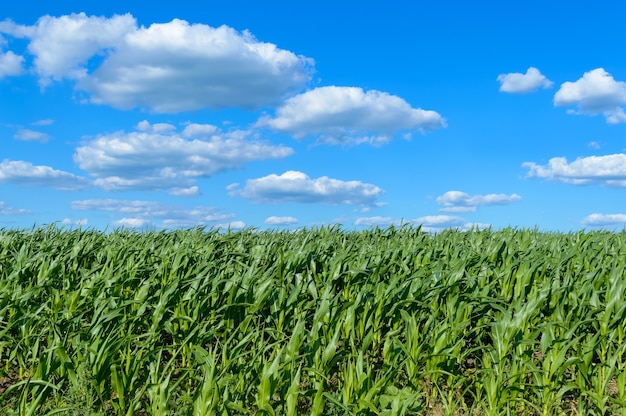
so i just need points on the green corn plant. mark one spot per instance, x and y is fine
(207, 396)
(381, 321)
(268, 383)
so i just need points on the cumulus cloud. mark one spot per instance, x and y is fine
(25, 173)
(350, 115)
(177, 66)
(138, 213)
(31, 135)
(294, 186)
(273, 220)
(157, 157)
(608, 170)
(519, 83)
(10, 64)
(167, 67)
(63, 45)
(602, 220)
(7, 210)
(457, 201)
(596, 92)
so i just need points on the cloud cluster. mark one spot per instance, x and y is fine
(457, 201)
(177, 66)
(63, 45)
(155, 156)
(350, 115)
(7, 210)
(378, 221)
(519, 83)
(602, 220)
(608, 170)
(596, 92)
(168, 67)
(429, 223)
(294, 186)
(137, 213)
(25, 173)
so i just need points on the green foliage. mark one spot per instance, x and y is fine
(319, 321)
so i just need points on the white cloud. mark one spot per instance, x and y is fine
(138, 213)
(233, 225)
(294, 186)
(77, 223)
(7, 210)
(44, 122)
(377, 221)
(349, 115)
(519, 83)
(62, 46)
(429, 223)
(10, 64)
(457, 201)
(146, 127)
(191, 191)
(616, 117)
(176, 66)
(130, 223)
(600, 220)
(147, 208)
(31, 135)
(25, 173)
(194, 130)
(273, 220)
(167, 67)
(433, 223)
(596, 92)
(157, 157)
(594, 145)
(608, 170)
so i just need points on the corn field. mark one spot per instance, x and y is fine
(319, 321)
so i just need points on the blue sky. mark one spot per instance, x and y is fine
(283, 115)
